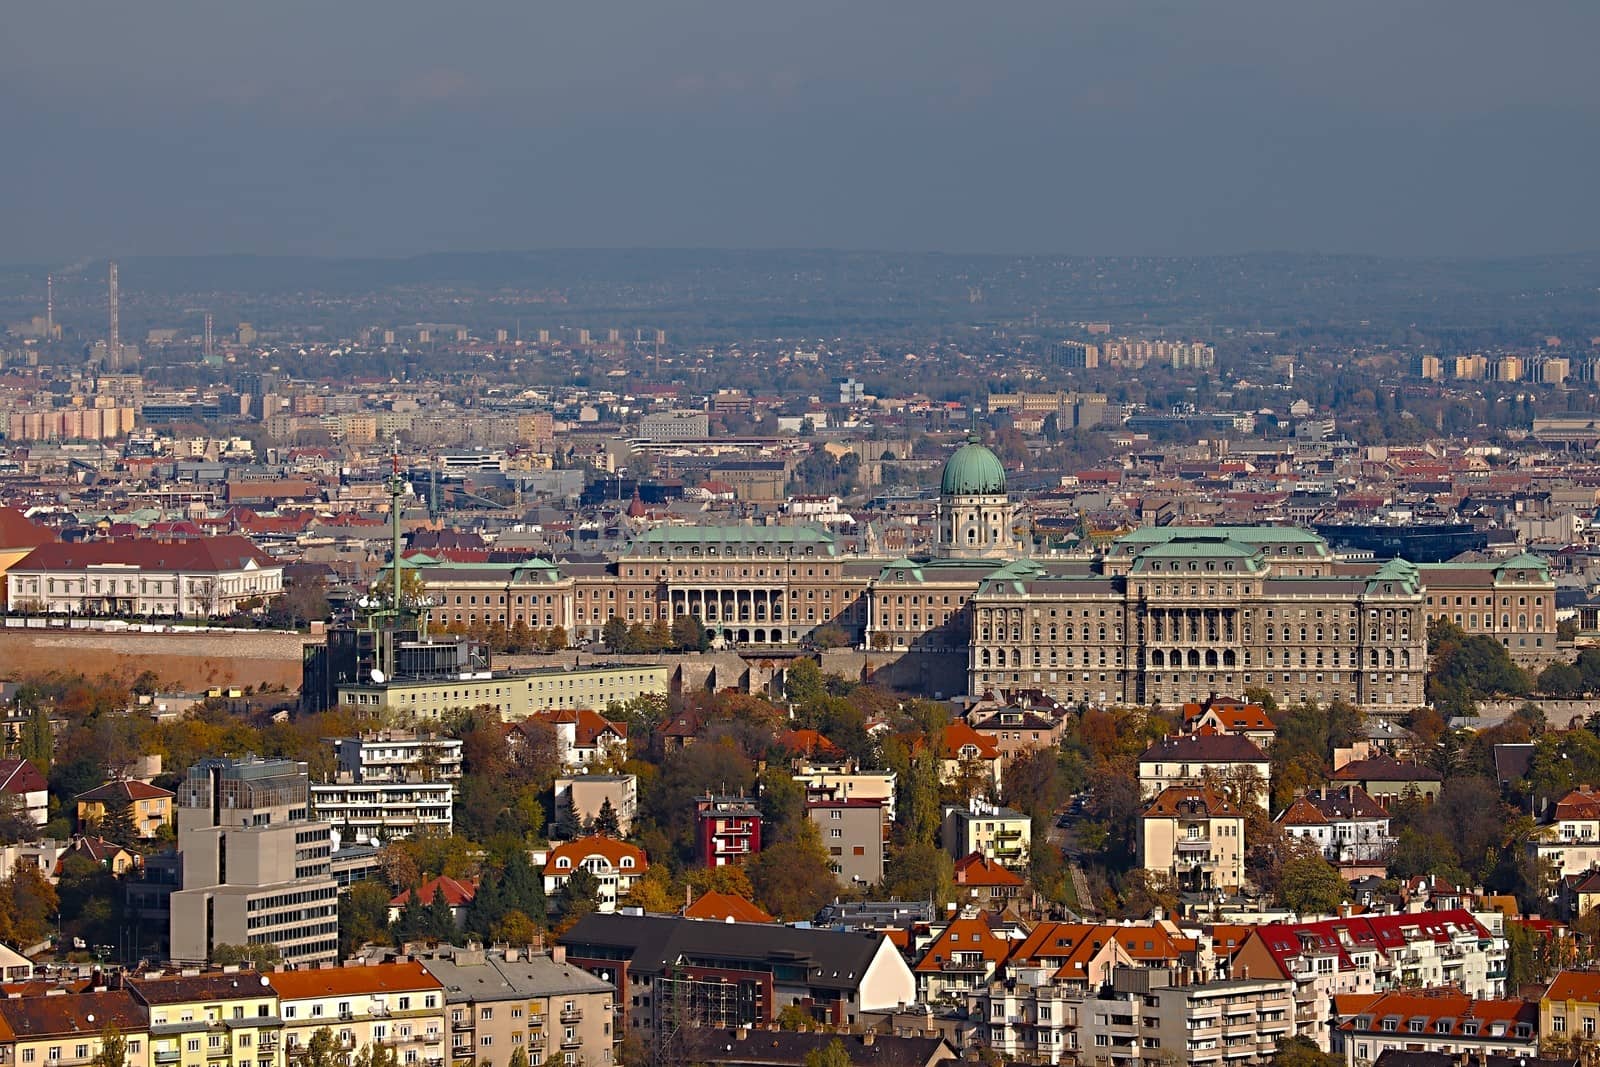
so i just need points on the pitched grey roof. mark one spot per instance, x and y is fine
(832, 959)
(779, 1048)
(476, 976)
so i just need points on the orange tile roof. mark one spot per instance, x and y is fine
(978, 869)
(345, 981)
(609, 848)
(719, 907)
(457, 894)
(1575, 985)
(964, 935)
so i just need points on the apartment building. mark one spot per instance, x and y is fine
(1569, 843)
(197, 578)
(64, 1029)
(398, 756)
(991, 831)
(1205, 759)
(502, 1000)
(1569, 1010)
(584, 737)
(197, 1020)
(1150, 1016)
(399, 1005)
(255, 866)
(378, 812)
(1433, 1020)
(669, 969)
(960, 959)
(826, 781)
(1025, 1022)
(579, 800)
(513, 694)
(1196, 836)
(727, 829)
(853, 832)
(1347, 825)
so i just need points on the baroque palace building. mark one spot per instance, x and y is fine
(1162, 615)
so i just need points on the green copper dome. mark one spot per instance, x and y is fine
(972, 471)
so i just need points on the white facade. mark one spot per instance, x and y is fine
(382, 811)
(182, 579)
(398, 756)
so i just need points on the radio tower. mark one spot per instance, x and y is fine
(49, 307)
(113, 342)
(208, 336)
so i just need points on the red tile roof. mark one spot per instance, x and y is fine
(720, 907)
(978, 870)
(457, 894)
(573, 853)
(342, 981)
(198, 554)
(964, 936)
(18, 776)
(130, 789)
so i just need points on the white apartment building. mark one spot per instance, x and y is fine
(398, 756)
(375, 812)
(1152, 1016)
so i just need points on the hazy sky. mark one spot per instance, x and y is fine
(1192, 126)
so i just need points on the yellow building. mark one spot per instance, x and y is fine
(398, 1004)
(149, 806)
(514, 694)
(65, 1031)
(1570, 1009)
(212, 1019)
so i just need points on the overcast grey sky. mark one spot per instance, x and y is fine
(1191, 126)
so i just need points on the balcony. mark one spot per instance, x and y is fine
(461, 1052)
(461, 1024)
(570, 1015)
(165, 1056)
(572, 1042)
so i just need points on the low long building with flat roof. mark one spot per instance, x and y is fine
(513, 694)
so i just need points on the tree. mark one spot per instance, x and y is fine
(363, 916)
(439, 924)
(117, 822)
(606, 821)
(377, 1054)
(261, 957)
(614, 634)
(793, 879)
(1301, 1051)
(1310, 884)
(833, 1054)
(519, 1058)
(689, 634)
(38, 742)
(322, 1050)
(113, 1049)
(578, 896)
(795, 1017)
(920, 870)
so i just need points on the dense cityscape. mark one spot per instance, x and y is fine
(737, 535)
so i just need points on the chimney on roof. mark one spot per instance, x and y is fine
(868, 1038)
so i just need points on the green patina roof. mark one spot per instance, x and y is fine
(973, 470)
(707, 536)
(1134, 540)
(1522, 560)
(1208, 545)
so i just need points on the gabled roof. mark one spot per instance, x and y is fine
(1204, 748)
(1384, 768)
(1574, 985)
(1324, 806)
(1442, 1007)
(19, 531)
(963, 936)
(457, 894)
(1185, 801)
(181, 988)
(18, 776)
(129, 789)
(588, 726)
(655, 943)
(977, 869)
(720, 907)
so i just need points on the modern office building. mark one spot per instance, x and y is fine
(254, 865)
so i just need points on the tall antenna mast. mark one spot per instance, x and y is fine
(208, 336)
(113, 342)
(49, 307)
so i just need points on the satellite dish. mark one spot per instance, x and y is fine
(378, 677)
(265, 980)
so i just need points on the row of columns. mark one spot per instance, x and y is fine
(1191, 625)
(719, 605)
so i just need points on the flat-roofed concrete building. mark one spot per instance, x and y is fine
(254, 864)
